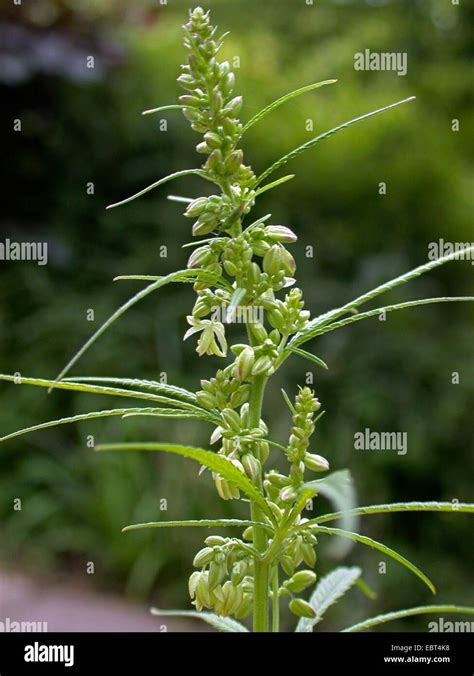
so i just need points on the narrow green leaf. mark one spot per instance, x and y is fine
(309, 144)
(377, 312)
(113, 391)
(274, 184)
(283, 99)
(161, 412)
(363, 539)
(328, 591)
(161, 181)
(338, 487)
(288, 401)
(172, 106)
(214, 462)
(379, 290)
(162, 281)
(153, 385)
(394, 507)
(409, 612)
(308, 356)
(202, 523)
(220, 623)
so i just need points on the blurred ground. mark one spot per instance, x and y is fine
(73, 608)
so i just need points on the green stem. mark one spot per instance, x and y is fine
(275, 603)
(261, 568)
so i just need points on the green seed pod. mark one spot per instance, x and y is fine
(316, 463)
(196, 207)
(203, 557)
(308, 554)
(300, 581)
(301, 608)
(244, 364)
(252, 466)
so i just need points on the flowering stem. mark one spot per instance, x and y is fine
(275, 602)
(261, 568)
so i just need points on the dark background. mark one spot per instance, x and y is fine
(82, 125)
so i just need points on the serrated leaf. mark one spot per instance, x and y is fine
(408, 612)
(430, 506)
(178, 276)
(308, 335)
(328, 591)
(220, 623)
(363, 539)
(155, 386)
(113, 391)
(192, 523)
(161, 181)
(379, 290)
(308, 356)
(123, 412)
(338, 487)
(214, 462)
(309, 144)
(283, 99)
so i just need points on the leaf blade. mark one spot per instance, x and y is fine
(209, 459)
(327, 592)
(408, 612)
(192, 523)
(365, 540)
(309, 144)
(221, 623)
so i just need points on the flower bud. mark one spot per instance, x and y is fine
(252, 467)
(233, 107)
(316, 463)
(217, 573)
(233, 162)
(258, 331)
(199, 257)
(203, 557)
(288, 262)
(301, 608)
(281, 233)
(244, 364)
(202, 227)
(212, 140)
(196, 207)
(308, 554)
(300, 581)
(192, 584)
(215, 541)
(232, 419)
(287, 494)
(263, 365)
(272, 260)
(263, 451)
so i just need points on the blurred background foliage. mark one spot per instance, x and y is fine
(82, 125)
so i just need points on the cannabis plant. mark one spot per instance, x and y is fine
(244, 272)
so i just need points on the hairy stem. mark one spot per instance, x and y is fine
(261, 568)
